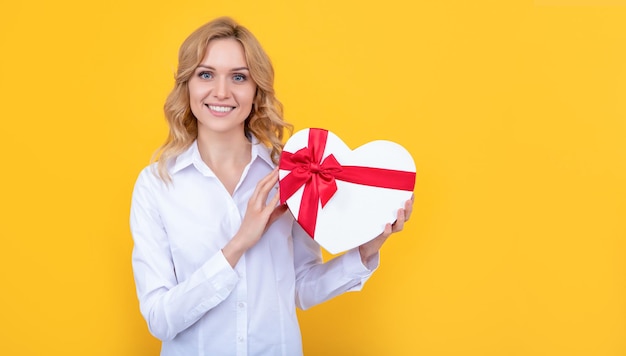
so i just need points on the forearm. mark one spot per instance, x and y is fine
(236, 247)
(367, 254)
(323, 281)
(170, 309)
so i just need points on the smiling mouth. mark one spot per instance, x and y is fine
(222, 109)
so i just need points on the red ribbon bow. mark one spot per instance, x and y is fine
(318, 177)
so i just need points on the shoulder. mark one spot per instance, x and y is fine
(149, 177)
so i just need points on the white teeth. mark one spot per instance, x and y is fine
(220, 108)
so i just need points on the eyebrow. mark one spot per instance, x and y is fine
(232, 69)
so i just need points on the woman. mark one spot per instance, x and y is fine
(219, 267)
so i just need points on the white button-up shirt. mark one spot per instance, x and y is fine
(190, 296)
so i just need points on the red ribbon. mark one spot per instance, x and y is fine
(318, 177)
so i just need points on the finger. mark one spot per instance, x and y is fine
(273, 212)
(408, 209)
(269, 180)
(273, 202)
(263, 187)
(276, 213)
(387, 231)
(266, 186)
(399, 224)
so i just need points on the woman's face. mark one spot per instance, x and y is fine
(221, 91)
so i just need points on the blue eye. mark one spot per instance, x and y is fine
(205, 75)
(239, 77)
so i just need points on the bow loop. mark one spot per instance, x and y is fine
(307, 170)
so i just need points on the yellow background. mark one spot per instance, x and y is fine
(514, 112)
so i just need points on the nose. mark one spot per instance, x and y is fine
(221, 90)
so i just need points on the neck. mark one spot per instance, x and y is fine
(224, 150)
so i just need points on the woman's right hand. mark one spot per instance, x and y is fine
(259, 216)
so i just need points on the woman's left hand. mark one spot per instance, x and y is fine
(370, 248)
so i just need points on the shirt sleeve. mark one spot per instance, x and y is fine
(168, 306)
(317, 282)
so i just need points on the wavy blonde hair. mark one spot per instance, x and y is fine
(265, 121)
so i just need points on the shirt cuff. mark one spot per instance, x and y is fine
(217, 281)
(354, 264)
(222, 276)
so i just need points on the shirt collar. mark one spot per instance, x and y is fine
(261, 151)
(186, 158)
(192, 156)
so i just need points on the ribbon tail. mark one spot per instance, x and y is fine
(378, 177)
(327, 191)
(290, 185)
(307, 216)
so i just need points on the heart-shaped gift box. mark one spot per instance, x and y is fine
(343, 198)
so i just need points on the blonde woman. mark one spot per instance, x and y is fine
(219, 268)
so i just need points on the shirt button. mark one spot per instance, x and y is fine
(241, 305)
(240, 338)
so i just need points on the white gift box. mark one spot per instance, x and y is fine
(343, 198)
